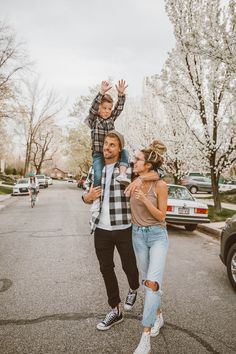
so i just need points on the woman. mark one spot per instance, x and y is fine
(150, 238)
(33, 184)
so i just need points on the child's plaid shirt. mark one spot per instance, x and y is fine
(119, 204)
(99, 126)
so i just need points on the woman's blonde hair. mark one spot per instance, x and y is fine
(154, 154)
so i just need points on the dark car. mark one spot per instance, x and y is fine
(197, 184)
(81, 182)
(228, 249)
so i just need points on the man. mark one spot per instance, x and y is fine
(112, 228)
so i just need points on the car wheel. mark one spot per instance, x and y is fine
(231, 265)
(193, 189)
(190, 227)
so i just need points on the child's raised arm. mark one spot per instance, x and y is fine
(93, 111)
(121, 86)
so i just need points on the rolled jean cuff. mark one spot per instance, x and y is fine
(124, 164)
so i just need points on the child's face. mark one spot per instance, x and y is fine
(105, 109)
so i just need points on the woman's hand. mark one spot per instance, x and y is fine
(129, 190)
(138, 194)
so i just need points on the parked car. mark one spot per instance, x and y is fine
(183, 209)
(228, 249)
(42, 180)
(70, 180)
(228, 186)
(49, 179)
(21, 187)
(197, 184)
(81, 182)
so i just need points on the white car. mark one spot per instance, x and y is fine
(224, 187)
(21, 187)
(183, 209)
(49, 179)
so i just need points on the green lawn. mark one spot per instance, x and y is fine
(225, 214)
(5, 190)
(229, 196)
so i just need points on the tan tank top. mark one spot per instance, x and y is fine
(140, 214)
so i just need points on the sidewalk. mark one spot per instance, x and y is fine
(214, 228)
(211, 202)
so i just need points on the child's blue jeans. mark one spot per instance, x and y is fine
(150, 246)
(98, 164)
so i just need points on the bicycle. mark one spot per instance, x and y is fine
(33, 197)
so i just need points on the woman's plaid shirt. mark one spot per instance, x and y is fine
(119, 204)
(99, 126)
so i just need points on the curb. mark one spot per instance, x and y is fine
(4, 197)
(208, 230)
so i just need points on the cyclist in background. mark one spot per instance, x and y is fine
(33, 185)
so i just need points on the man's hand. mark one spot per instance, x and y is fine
(93, 194)
(105, 86)
(121, 86)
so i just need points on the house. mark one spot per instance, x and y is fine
(57, 173)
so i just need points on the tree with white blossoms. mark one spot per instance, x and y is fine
(202, 87)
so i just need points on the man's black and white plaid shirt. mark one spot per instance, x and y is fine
(119, 204)
(99, 126)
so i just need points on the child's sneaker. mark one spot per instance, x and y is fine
(95, 206)
(157, 325)
(130, 300)
(123, 179)
(112, 318)
(144, 346)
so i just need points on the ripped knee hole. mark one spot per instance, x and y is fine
(151, 284)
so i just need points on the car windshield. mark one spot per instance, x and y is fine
(22, 181)
(40, 177)
(175, 192)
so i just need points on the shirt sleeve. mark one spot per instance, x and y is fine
(118, 107)
(93, 112)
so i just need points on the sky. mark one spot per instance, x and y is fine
(78, 43)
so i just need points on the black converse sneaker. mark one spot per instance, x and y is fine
(130, 300)
(110, 320)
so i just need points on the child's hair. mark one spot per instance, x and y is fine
(153, 154)
(107, 98)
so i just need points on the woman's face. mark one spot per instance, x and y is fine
(139, 163)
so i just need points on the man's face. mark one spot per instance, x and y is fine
(105, 110)
(111, 149)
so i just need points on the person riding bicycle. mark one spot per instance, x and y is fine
(33, 184)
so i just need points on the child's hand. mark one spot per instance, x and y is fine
(121, 87)
(105, 86)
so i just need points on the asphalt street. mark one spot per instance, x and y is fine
(52, 293)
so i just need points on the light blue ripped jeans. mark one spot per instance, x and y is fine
(150, 246)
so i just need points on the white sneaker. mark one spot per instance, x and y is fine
(144, 346)
(157, 325)
(130, 300)
(95, 206)
(123, 179)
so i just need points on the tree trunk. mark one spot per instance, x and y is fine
(215, 190)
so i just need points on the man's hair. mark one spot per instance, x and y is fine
(113, 135)
(107, 98)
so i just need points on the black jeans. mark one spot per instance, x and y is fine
(105, 243)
